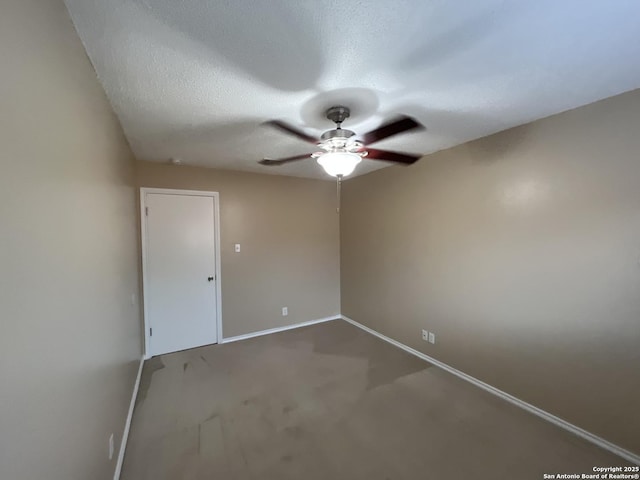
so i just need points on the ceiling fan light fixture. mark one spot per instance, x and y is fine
(342, 149)
(339, 163)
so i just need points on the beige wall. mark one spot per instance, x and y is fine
(288, 231)
(69, 334)
(521, 251)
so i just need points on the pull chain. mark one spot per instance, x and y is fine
(338, 192)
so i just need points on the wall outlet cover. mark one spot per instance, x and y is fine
(432, 337)
(285, 311)
(425, 335)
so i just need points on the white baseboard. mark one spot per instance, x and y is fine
(279, 329)
(600, 442)
(127, 424)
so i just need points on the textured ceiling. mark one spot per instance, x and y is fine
(194, 79)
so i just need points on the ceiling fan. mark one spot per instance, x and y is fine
(342, 149)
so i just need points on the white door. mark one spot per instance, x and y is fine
(180, 282)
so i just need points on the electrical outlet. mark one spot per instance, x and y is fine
(111, 447)
(425, 335)
(285, 311)
(432, 337)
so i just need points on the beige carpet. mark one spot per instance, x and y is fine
(333, 402)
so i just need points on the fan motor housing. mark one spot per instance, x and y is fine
(337, 133)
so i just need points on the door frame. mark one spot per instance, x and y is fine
(143, 239)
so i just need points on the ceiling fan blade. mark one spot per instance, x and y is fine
(405, 158)
(280, 161)
(403, 124)
(285, 127)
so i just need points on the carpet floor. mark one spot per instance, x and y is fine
(330, 401)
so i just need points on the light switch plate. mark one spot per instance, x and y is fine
(425, 335)
(432, 337)
(237, 248)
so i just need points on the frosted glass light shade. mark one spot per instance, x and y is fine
(339, 163)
